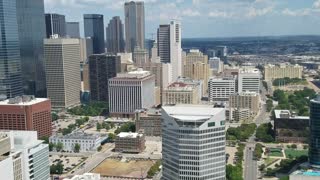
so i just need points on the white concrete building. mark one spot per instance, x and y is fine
(86, 176)
(216, 65)
(131, 91)
(28, 158)
(193, 142)
(87, 142)
(249, 80)
(220, 88)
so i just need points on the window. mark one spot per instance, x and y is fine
(211, 124)
(222, 123)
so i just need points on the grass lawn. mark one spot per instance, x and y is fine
(269, 161)
(295, 153)
(276, 154)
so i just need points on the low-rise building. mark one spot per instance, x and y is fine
(149, 121)
(290, 128)
(129, 142)
(85, 176)
(87, 142)
(246, 100)
(238, 115)
(272, 72)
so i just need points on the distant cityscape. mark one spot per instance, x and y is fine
(114, 105)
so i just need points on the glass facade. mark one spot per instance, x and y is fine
(55, 24)
(314, 144)
(31, 24)
(94, 28)
(10, 63)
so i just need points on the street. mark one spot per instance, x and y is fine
(251, 166)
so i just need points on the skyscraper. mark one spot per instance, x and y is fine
(102, 67)
(114, 33)
(55, 24)
(63, 71)
(32, 31)
(314, 142)
(73, 29)
(134, 24)
(10, 62)
(249, 80)
(169, 46)
(94, 28)
(193, 142)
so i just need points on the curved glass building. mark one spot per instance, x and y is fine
(314, 144)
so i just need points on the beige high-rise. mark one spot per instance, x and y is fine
(272, 72)
(181, 93)
(245, 100)
(63, 71)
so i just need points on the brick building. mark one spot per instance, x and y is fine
(130, 142)
(149, 121)
(26, 113)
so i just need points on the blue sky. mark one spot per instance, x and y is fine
(208, 18)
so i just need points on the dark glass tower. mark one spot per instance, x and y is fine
(102, 67)
(314, 144)
(10, 63)
(55, 24)
(94, 28)
(31, 24)
(114, 33)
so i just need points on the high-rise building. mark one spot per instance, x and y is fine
(102, 67)
(182, 93)
(63, 71)
(193, 142)
(314, 141)
(194, 56)
(131, 91)
(249, 80)
(220, 88)
(221, 52)
(272, 72)
(216, 65)
(10, 62)
(94, 28)
(55, 24)
(32, 31)
(169, 46)
(134, 25)
(114, 33)
(140, 56)
(26, 157)
(73, 29)
(85, 49)
(245, 100)
(154, 57)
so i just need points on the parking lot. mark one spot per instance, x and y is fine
(69, 162)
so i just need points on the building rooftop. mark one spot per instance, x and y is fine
(249, 70)
(222, 78)
(187, 112)
(247, 93)
(316, 100)
(287, 114)
(22, 101)
(129, 135)
(78, 135)
(315, 173)
(149, 112)
(138, 74)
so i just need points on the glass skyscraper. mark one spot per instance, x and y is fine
(314, 143)
(32, 31)
(94, 28)
(10, 63)
(55, 24)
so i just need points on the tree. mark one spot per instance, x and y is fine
(99, 148)
(98, 126)
(112, 125)
(111, 137)
(76, 148)
(127, 127)
(45, 139)
(56, 169)
(59, 146)
(54, 116)
(154, 169)
(294, 146)
(234, 172)
(265, 133)
(51, 146)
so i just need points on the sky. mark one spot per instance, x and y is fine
(207, 18)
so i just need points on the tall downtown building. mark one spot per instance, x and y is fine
(10, 62)
(94, 28)
(169, 46)
(114, 33)
(134, 25)
(314, 142)
(193, 142)
(32, 31)
(62, 71)
(73, 29)
(55, 24)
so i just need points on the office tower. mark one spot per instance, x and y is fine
(85, 49)
(10, 62)
(26, 113)
(73, 29)
(149, 121)
(193, 142)
(193, 57)
(102, 67)
(140, 56)
(249, 80)
(245, 100)
(62, 71)
(25, 156)
(272, 72)
(134, 25)
(221, 52)
(32, 31)
(154, 53)
(216, 65)
(126, 62)
(314, 150)
(55, 24)
(220, 88)
(211, 53)
(182, 93)
(94, 28)
(131, 91)
(169, 46)
(114, 33)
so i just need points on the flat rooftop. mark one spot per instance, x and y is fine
(189, 112)
(315, 173)
(78, 135)
(139, 74)
(129, 135)
(287, 112)
(23, 103)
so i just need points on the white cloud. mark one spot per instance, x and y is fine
(254, 12)
(217, 14)
(190, 13)
(316, 4)
(299, 12)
